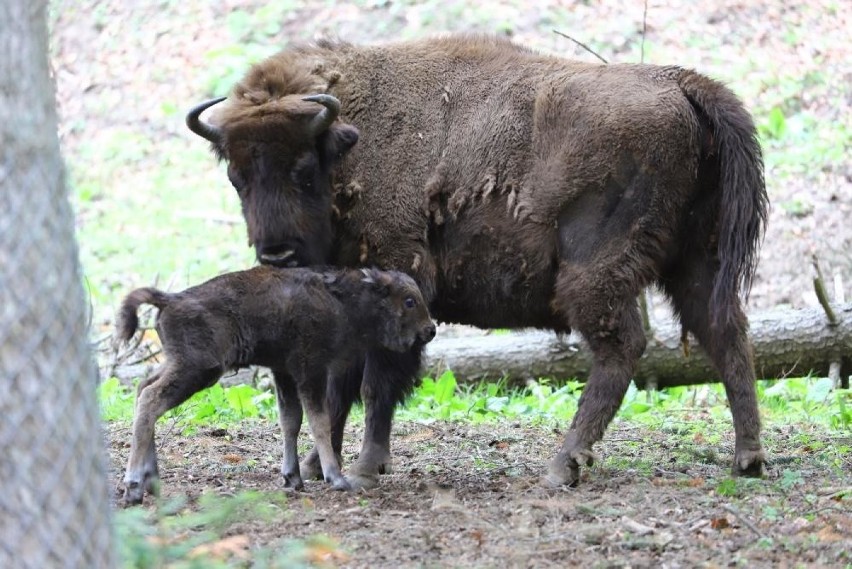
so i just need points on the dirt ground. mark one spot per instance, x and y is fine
(468, 495)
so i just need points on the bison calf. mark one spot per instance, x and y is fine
(307, 326)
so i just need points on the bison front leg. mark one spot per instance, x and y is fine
(388, 378)
(290, 420)
(617, 341)
(172, 387)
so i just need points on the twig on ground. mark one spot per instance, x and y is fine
(834, 493)
(743, 520)
(145, 358)
(438, 430)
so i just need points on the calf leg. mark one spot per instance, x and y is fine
(150, 458)
(726, 343)
(173, 386)
(388, 379)
(290, 419)
(341, 392)
(617, 341)
(318, 419)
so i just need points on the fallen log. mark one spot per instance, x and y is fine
(787, 343)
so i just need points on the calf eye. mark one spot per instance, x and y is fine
(410, 302)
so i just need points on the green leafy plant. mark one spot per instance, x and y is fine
(216, 406)
(774, 126)
(178, 535)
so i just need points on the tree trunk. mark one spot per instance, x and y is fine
(786, 343)
(54, 509)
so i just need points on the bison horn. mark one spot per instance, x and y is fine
(201, 128)
(325, 117)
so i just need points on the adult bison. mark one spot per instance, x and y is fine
(520, 190)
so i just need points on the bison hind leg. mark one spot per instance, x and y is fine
(689, 286)
(603, 308)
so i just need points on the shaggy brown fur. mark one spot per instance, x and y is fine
(519, 190)
(307, 326)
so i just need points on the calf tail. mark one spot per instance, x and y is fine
(743, 203)
(128, 321)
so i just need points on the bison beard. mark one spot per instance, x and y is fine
(519, 190)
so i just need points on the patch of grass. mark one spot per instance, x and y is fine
(443, 398)
(214, 407)
(697, 413)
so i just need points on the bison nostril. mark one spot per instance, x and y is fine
(278, 257)
(429, 332)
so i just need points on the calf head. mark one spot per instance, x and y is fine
(281, 153)
(403, 319)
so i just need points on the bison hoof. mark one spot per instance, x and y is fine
(386, 467)
(564, 470)
(555, 479)
(749, 463)
(362, 481)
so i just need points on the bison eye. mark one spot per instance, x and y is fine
(236, 179)
(409, 302)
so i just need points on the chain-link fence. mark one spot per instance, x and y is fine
(53, 504)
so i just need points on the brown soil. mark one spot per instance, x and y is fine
(467, 495)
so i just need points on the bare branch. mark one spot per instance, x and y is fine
(644, 29)
(822, 295)
(581, 44)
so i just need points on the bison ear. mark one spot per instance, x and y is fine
(339, 140)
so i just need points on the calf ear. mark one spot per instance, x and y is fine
(379, 281)
(338, 140)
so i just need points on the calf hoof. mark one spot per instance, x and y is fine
(311, 468)
(133, 493)
(341, 485)
(362, 481)
(293, 482)
(564, 469)
(749, 463)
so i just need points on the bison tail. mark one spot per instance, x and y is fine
(743, 202)
(128, 321)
